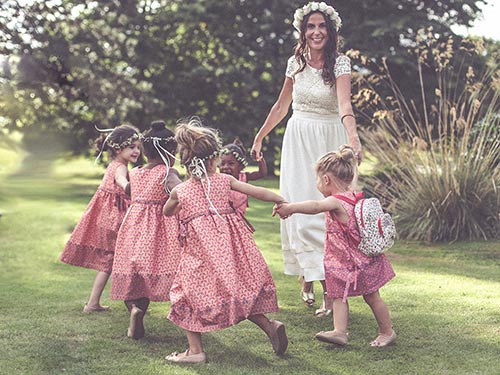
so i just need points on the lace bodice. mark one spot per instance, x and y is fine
(310, 93)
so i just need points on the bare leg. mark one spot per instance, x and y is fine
(274, 329)
(380, 311)
(195, 344)
(194, 354)
(137, 309)
(262, 322)
(340, 315)
(326, 305)
(307, 292)
(340, 321)
(94, 303)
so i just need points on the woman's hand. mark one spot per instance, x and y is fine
(356, 146)
(256, 153)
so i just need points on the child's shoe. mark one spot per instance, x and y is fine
(90, 309)
(333, 337)
(278, 337)
(187, 358)
(383, 340)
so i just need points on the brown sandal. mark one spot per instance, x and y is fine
(278, 337)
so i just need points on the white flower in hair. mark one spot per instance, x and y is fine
(314, 6)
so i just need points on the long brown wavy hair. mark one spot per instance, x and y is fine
(330, 50)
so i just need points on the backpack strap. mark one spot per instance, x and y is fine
(356, 197)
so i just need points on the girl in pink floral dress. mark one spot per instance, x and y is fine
(147, 248)
(222, 277)
(232, 161)
(92, 243)
(348, 271)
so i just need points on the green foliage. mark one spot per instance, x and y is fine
(69, 65)
(439, 159)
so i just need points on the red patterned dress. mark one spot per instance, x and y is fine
(147, 248)
(92, 243)
(348, 271)
(240, 200)
(222, 277)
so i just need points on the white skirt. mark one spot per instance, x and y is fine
(308, 136)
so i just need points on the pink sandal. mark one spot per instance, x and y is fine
(333, 337)
(384, 340)
(187, 358)
(87, 309)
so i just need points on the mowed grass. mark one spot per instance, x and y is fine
(444, 301)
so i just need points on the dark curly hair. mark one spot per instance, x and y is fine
(331, 49)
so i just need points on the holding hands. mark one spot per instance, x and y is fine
(256, 152)
(283, 209)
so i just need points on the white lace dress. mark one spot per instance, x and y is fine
(313, 130)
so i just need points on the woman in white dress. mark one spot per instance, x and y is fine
(318, 83)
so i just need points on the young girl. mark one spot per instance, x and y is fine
(147, 248)
(222, 277)
(92, 243)
(348, 271)
(233, 162)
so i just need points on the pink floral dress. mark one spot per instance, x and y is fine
(92, 243)
(222, 277)
(240, 200)
(147, 249)
(348, 271)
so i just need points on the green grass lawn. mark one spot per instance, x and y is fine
(444, 301)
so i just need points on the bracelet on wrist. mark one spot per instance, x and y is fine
(347, 115)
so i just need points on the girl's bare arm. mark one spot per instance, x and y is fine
(255, 191)
(172, 205)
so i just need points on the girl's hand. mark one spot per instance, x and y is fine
(283, 209)
(173, 179)
(275, 209)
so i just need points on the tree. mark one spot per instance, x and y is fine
(70, 65)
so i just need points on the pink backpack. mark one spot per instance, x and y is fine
(376, 228)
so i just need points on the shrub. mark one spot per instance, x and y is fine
(438, 159)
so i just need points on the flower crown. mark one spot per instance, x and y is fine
(196, 165)
(314, 6)
(118, 146)
(240, 158)
(158, 139)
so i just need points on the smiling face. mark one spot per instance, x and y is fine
(229, 165)
(129, 154)
(316, 31)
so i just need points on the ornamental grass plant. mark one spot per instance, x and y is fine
(438, 160)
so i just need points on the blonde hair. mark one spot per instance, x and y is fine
(341, 164)
(196, 141)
